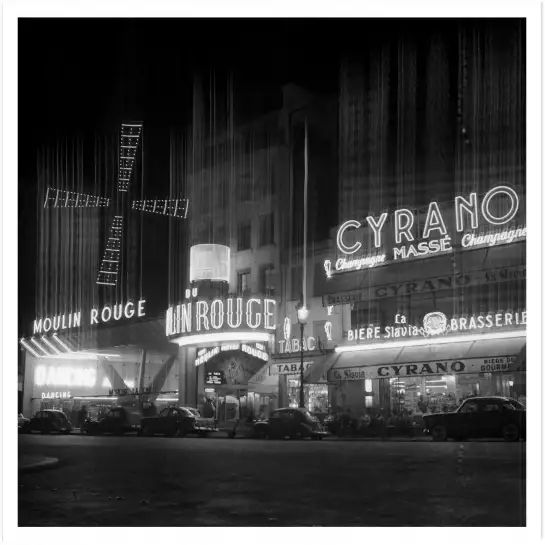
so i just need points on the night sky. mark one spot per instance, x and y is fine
(87, 75)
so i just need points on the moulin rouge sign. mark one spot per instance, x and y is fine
(436, 239)
(96, 316)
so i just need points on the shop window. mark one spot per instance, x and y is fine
(243, 282)
(244, 235)
(368, 385)
(368, 401)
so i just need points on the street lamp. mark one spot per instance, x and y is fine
(302, 317)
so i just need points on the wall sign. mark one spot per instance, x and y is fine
(215, 377)
(474, 365)
(221, 314)
(52, 375)
(56, 395)
(288, 368)
(425, 285)
(437, 323)
(435, 237)
(257, 351)
(96, 316)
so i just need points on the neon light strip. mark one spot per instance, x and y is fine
(113, 398)
(105, 283)
(107, 272)
(54, 348)
(237, 336)
(127, 125)
(127, 146)
(61, 343)
(30, 349)
(125, 157)
(35, 343)
(426, 342)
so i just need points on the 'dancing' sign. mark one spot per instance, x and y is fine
(221, 314)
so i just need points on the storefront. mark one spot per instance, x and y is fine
(432, 367)
(129, 363)
(222, 343)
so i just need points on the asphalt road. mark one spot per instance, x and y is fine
(137, 481)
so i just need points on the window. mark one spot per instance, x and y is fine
(243, 282)
(469, 407)
(267, 280)
(164, 413)
(266, 229)
(491, 408)
(244, 235)
(296, 282)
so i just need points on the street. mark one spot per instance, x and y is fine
(136, 481)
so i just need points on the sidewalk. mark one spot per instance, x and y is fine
(27, 463)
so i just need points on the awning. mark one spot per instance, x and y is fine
(317, 371)
(263, 382)
(487, 355)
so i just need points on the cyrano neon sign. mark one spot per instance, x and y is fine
(467, 214)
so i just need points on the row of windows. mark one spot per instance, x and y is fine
(266, 232)
(266, 280)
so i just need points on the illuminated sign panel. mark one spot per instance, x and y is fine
(97, 316)
(436, 323)
(63, 376)
(435, 237)
(234, 313)
(472, 365)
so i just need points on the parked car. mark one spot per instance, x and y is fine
(293, 423)
(49, 420)
(177, 422)
(22, 423)
(117, 421)
(493, 416)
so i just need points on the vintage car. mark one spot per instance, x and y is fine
(117, 421)
(177, 422)
(22, 423)
(493, 416)
(295, 423)
(49, 420)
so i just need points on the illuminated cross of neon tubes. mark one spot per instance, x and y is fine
(129, 143)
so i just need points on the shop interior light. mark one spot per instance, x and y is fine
(432, 341)
(240, 336)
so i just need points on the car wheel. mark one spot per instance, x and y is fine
(439, 433)
(146, 431)
(510, 432)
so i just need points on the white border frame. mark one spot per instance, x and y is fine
(217, 8)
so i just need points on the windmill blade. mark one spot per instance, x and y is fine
(109, 265)
(176, 208)
(128, 144)
(60, 198)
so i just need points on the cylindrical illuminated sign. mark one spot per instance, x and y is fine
(209, 262)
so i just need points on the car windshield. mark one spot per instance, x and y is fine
(194, 412)
(517, 404)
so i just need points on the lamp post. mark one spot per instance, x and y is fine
(302, 316)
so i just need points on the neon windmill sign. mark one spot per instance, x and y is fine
(129, 145)
(436, 238)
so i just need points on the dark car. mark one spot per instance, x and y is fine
(479, 417)
(23, 423)
(293, 423)
(49, 420)
(118, 420)
(177, 422)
